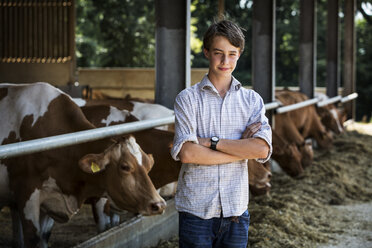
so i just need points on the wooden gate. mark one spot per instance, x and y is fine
(37, 41)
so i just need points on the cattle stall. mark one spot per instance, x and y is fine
(137, 240)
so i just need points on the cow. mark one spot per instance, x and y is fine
(136, 108)
(288, 156)
(165, 170)
(305, 119)
(285, 136)
(330, 116)
(259, 177)
(52, 185)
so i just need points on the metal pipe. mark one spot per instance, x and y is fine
(349, 97)
(48, 143)
(297, 105)
(329, 101)
(272, 105)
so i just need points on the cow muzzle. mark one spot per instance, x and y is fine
(156, 208)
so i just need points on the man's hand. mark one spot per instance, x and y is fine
(204, 142)
(248, 133)
(251, 130)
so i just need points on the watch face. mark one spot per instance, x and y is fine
(214, 138)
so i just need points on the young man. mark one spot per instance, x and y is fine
(211, 140)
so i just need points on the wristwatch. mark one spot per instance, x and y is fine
(214, 141)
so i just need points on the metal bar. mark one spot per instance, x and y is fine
(349, 97)
(329, 101)
(48, 143)
(272, 105)
(140, 231)
(297, 105)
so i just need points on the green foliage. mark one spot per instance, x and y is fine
(121, 33)
(112, 33)
(287, 42)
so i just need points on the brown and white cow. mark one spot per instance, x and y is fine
(288, 156)
(305, 119)
(290, 148)
(52, 185)
(135, 107)
(330, 116)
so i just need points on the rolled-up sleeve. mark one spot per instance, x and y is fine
(185, 123)
(265, 132)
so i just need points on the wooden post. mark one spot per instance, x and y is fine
(221, 9)
(263, 50)
(172, 49)
(333, 79)
(307, 70)
(349, 56)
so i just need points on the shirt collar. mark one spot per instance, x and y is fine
(206, 84)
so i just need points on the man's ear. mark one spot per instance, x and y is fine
(206, 53)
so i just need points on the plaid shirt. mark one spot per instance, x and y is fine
(205, 191)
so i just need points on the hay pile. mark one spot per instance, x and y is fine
(300, 211)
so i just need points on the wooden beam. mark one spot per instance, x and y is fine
(349, 55)
(263, 50)
(307, 70)
(333, 79)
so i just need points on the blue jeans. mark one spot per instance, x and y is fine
(195, 232)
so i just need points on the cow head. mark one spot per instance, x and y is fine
(323, 138)
(259, 177)
(287, 155)
(330, 119)
(125, 167)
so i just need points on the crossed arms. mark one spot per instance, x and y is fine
(227, 150)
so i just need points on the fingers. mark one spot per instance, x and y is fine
(251, 130)
(204, 142)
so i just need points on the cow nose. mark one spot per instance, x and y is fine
(158, 207)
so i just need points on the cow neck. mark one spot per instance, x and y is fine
(165, 169)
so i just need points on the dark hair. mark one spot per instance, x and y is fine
(226, 29)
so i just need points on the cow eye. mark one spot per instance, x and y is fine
(125, 167)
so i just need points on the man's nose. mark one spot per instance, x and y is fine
(224, 59)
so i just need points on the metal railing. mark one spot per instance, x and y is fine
(297, 105)
(48, 143)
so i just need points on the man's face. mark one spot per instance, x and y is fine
(222, 56)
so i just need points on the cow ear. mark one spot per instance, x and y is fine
(149, 162)
(93, 163)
